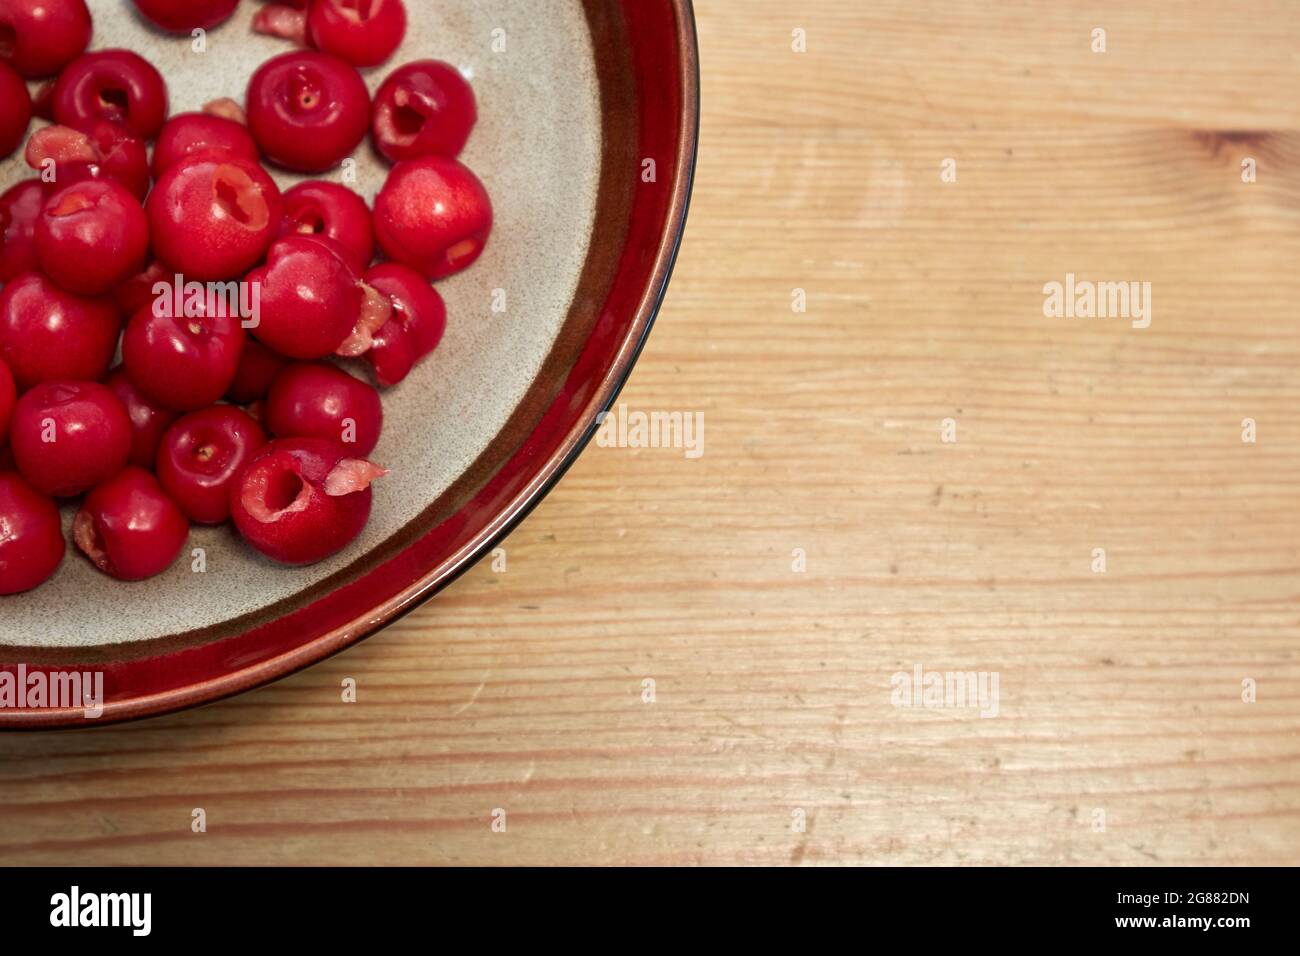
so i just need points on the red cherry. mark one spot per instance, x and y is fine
(434, 215)
(311, 298)
(301, 500)
(317, 208)
(8, 395)
(149, 420)
(15, 109)
(129, 528)
(67, 437)
(184, 16)
(108, 152)
(137, 291)
(181, 361)
(308, 111)
(418, 321)
(363, 32)
(197, 134)
(19, 208)
(40, 37)
(48, 334)
(31, 539)
(425, 108)
(92, 236)
(114, 85)
(213, 219)
(258, 367)
(318, 400)
(201, 455)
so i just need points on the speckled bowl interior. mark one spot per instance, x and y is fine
(537, 147)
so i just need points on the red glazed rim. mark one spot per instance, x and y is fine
(648, 62)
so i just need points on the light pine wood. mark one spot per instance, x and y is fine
(1121, 692)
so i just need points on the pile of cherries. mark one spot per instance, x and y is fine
(213, 414)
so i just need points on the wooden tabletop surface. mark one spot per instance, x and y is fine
(919, 469)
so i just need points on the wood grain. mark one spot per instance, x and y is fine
(1121, 692)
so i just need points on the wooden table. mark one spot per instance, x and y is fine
(1121, 734)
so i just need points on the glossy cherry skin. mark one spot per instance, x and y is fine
(200, 456)
(197, 134)
(137, 291)
(68, 437)
(149, 420)
(15, 109)
(182, 362)
(40, 37)
(416, 327)
(184, 16)
(129, 528)
(113, 85)
(31, 535)
(48, 334)
(92, 236)
(317, 208)
(19, 207)
(108, 151)
(363, 32)
(301, 500)
(213, 218)
(308, 111)
(258, 367)
(8, 396)
(425, 108)
(311, 298)
(319, 400)
(433, 215)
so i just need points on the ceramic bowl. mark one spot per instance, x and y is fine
(586, 140)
